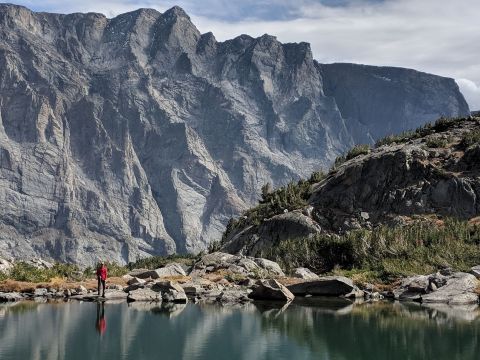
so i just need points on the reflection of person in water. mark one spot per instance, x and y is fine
(101, 323)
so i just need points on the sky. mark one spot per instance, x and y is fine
(436, 36)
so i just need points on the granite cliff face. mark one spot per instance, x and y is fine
(138, 135)
(432, 173)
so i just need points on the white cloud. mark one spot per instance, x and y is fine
(436, 36)
(471, 91)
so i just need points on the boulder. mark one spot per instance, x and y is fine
(412, 288)
(324, 286)
(138, 273)
(172, 269)
(171, 291)
(144, 295)
(234, 296)
(81, 290)
(459, 289)
(269, 266)
(271, 290)
(135, 281)
(305, 274)
(39, 292)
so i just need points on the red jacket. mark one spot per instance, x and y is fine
(102, 272)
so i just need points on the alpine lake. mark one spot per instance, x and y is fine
(311, 328)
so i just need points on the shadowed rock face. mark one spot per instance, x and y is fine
(138, 135)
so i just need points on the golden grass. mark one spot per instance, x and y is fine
(177, 278)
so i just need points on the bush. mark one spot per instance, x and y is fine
(437, 142)
(387, 252)
(358, 150)
(156, 262)
(470, 138)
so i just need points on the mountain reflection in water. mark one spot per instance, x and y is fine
(306, 329)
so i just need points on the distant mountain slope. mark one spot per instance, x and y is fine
(138, 135)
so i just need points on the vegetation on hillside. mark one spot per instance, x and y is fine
(293, 196)
(385, 253)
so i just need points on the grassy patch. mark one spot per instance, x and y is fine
(385, 253)
(156, 262)
(437, 142)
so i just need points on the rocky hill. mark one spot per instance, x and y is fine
(139, 135)
(432, 173)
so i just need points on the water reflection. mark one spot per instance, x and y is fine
(305, 329)
(101, 322)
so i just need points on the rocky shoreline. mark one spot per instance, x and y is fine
(233, 279)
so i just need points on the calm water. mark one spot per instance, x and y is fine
(318, 329)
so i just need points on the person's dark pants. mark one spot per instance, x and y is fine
(101, 283)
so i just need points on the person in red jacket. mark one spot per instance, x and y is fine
(101, 277)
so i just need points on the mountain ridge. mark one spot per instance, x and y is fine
(139, 135)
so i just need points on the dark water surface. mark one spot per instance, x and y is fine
(317, 329)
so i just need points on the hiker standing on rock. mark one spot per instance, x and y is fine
(101, 277)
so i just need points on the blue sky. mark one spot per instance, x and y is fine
(436, 36)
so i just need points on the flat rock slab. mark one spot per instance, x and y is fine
(325, 286)
(144, 295)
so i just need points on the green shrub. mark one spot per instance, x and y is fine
(156, 262)
(470, 138)
(387, 252)
(436, 142)
(398, 139)
(358, 150)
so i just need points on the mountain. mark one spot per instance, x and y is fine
(139, 135)
(430, 174)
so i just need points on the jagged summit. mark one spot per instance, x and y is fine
(138, 135)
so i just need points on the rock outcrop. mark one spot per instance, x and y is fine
(137, 135)
(432, 172)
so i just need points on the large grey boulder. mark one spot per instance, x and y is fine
(234, 296)
(325, 286)
(305, 274)
(271, 290)
(412, 288)
(144, 295)
(111, 132)
(459, 289)
(172, 269)
(270, 266)
(171, 291)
